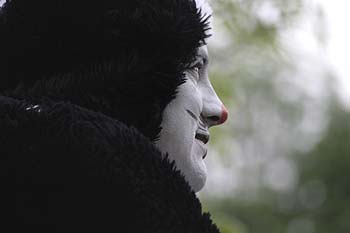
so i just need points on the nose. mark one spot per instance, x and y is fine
(224, 115)
(216, 115)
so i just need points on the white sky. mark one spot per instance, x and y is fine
(303, 43)
(338, 49)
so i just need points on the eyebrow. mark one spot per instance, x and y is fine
(203, 54)
(192, 114)
(205, 58)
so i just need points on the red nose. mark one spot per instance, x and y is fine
(224, 114)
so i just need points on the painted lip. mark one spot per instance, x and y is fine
(203, 139)
(202, 136)
(202, 133)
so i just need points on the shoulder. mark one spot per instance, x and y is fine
(61, 130)
(90, 173)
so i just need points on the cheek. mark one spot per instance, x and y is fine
(178, 127)
(190, 96)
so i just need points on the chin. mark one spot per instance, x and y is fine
(197, 172)
(191, 164)
(198, 178)
(189, 160)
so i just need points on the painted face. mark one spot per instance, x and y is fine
(186, 121)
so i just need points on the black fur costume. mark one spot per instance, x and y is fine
(83, 85)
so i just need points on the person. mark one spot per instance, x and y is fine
(104, 115)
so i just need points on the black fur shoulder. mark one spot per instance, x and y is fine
(80, 171)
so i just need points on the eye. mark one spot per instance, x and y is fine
(196, 68)
(198, 65)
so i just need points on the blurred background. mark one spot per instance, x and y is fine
(281, 164)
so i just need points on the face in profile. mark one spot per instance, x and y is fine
(187, 119)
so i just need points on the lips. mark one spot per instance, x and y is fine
(202, 137)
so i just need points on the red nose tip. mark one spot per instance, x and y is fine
(224, 114)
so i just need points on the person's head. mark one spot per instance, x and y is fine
(186, 120)
(188, 117)
(132, 56)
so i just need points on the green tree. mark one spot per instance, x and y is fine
(274, 118)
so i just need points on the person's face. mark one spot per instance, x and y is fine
(186, 120)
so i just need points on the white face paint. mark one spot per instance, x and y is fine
(186, 121)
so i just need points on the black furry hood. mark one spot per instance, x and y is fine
(122, 58)
(83, 85)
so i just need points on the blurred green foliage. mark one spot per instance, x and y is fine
(319, 204)
(249, 65)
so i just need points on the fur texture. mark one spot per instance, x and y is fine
(83, 87)
(80, 171)
(137, 50)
